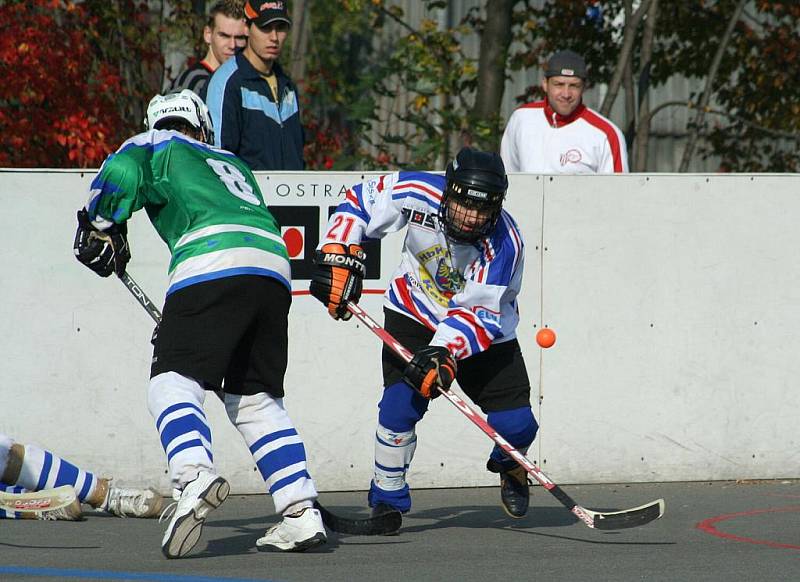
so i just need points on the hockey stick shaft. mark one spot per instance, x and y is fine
(614, 520)
(141, 297)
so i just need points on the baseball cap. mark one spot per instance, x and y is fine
(565, 64)
(261, 13)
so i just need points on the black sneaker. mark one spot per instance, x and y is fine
(514, 492)
(382, 509)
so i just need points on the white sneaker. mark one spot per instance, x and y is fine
(197, 499)
(296, 533)
(127, 502)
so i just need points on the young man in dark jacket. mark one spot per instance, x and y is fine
(253, 103)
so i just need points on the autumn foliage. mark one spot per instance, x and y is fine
(56, 102)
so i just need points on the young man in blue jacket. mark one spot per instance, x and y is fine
(254, 105)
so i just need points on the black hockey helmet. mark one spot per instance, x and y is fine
(476, 181)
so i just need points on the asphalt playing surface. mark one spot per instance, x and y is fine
(711, 531)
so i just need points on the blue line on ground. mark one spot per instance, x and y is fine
(109, 575)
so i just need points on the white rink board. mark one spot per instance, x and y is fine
(675, 300)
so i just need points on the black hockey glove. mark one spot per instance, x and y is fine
(430, 367)
(103, 251)
(337, 278)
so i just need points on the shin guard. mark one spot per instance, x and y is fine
(394, 452)
(176, 405)
(276, 447)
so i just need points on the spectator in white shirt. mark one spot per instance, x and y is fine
(560, 135)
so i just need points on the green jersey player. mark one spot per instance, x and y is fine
(224, 320)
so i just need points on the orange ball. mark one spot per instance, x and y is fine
(546, 337)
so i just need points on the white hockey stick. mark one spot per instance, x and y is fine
(606, 520)
(38, 501)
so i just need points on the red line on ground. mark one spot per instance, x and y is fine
(709, 527)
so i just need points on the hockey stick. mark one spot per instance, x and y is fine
(611, 520)
(38, 501)
(374, 526)
(369, 526)
(141, 297)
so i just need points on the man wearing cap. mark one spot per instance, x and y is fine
(254, 105)
(560, 135)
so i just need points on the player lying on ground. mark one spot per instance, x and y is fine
(452, 301)
(224, 318)
(27, 468)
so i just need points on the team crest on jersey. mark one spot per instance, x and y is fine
(448, 278)
(445, 281)
(420, 218)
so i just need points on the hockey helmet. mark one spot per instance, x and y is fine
(185, 105)
(474, 194)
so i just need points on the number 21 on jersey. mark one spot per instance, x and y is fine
(341, 227)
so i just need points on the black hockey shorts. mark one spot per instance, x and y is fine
(494, 380)
(232, 329)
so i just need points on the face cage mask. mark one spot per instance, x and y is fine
(453, 221)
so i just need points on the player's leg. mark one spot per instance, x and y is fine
(16, 502)
(498, 382)
(32, 468)
(280, 457)
(400, 409)
(198, 331)
(176, 404)
(254, 402)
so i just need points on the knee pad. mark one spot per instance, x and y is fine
(401, 407)
(518, 426)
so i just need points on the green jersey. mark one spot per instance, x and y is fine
(204, 202)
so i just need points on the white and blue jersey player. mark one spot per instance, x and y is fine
(452, 301)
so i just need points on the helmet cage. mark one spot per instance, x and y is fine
(476, 183)
(184, 105)
(457, 203)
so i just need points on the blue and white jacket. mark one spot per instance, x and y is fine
(247, 120)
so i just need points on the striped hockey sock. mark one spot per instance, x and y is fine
(276, 447)
(176, 404)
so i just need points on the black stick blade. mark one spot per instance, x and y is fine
(386, 523)
(627, 518)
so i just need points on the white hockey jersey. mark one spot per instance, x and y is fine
(540, 141)
(465, 293)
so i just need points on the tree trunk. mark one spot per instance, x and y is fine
(495, 41)
(624, 56)
(709, 89)
(630, 96)
(643, 128)
(301, 24)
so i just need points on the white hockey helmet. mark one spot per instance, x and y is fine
(185, 105)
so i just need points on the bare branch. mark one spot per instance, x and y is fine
(628, 38)
(643, 131)
(709, 89)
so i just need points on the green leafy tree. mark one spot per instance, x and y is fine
(748, 110)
